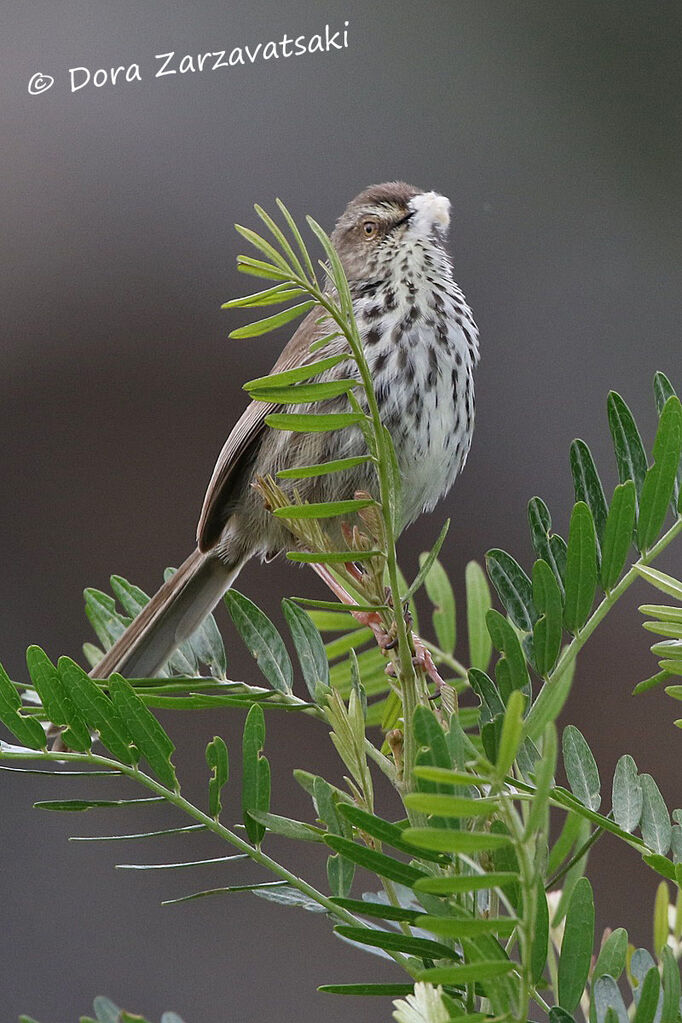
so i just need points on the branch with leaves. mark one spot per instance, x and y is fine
(486, 915)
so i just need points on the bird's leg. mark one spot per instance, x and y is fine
(386, 641)
(371, 619)
(423, 659)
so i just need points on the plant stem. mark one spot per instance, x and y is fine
(581, 637)
(182, 804)
(381, 761)
(584, 848)
(407, 676)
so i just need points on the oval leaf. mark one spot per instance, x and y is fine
(581, 568)
(627, 795)
(576, 947)
(581, 768)
(263, 640)
(478, 605)
(618, 533)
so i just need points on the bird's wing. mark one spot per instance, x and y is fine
(247, 434)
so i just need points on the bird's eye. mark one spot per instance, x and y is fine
(369, 228)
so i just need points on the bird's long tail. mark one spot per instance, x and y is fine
(171, 616)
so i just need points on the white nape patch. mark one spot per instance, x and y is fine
(430, 210)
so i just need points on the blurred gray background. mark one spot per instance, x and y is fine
(555, 130)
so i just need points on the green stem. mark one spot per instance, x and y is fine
(381, 761)
(581, 637)
(408, 681)
(584, 848)
(526, 926)
(182, 804)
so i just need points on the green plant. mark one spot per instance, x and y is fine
(486, 916)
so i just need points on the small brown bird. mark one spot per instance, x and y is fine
(421, 344)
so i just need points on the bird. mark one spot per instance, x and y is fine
(421, 344)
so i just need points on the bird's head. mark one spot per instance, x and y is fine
(382, 223)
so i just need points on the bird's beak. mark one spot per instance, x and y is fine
(430, 211)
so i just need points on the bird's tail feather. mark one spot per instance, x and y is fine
(171, 616)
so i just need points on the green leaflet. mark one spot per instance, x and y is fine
(630, 456)
(340, 868)
(441, 595)
(304, 394)
(655, 821)
(228, 890)
(256, 773)
(323, 510)
(218, 760)
(183, 864)
(464, 883)
(581, 768)
(293, 376)
(456, 927)
(283, 242)
(611, 958)
(287, 827)
(627, 797)
(79, 805)
(548, 628)
(540, 932)
(559, 1015)
(323, 468)
(544, 780)
(581, 568)
(271, 296)
(548, 546)
(478, 605)
(263, 246)
(99, 713)
(649, 993)
(309, 646)
(444, 805)
(380, 910)
(264, 326)
(395, 942)
(663, 390)
(390, 990)
(588, 488)
(27, 730)
(296, 234)
(576, 947)
(205, 645)
(385, 831)
(379, 863)
(510, 671)
(332, 558)
(618, 532)
(666, 583)
(308, 422)
(467, 974)
(550, 700)
(59, 706)
(514, 588)
(138, 835)
(607, 1000)
(442, 840)
(101, 612)
(512, 732)
(671, 987)
(259, 268)
(150, 738)
(263, 640)
(660, 480)
(426, 560)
